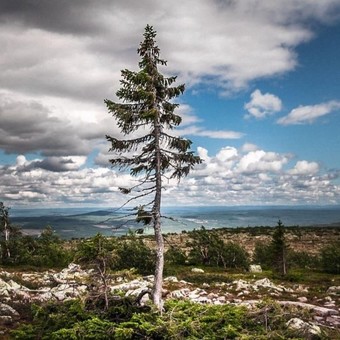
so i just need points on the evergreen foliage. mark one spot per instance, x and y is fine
(279, 250)
(208, 248)
(46, 250)
(146, 115)
(133, 253)
(330, 258)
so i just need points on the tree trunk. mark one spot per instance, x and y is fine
(7, 232)
(158, 283)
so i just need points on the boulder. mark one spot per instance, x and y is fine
(255, 268)
(197, 270)
(304, 328)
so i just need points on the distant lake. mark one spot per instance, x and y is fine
(86, 222)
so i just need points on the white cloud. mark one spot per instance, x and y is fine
(263, 105)
(230, 177)
(249, 147)
(305, 168)
(259, 161)
(217, 134)
(309, 113)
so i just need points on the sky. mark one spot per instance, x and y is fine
(261, 106)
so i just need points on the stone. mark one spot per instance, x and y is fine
(255, 268)
(302, 299)
(334, 321)
(333, 290)
(171, 279)
(197, 270)
(241, 285)
(7, 310)
(306, 328)
(180, 293)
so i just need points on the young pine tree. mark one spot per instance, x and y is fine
(147, 109)
(279, 249)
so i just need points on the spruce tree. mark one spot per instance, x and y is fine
(279, 249)
(146, 108)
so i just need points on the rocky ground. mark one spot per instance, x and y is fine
(24, 288)
(308, 239)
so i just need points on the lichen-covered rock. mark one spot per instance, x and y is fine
(255, 268)
(197, 270)
(303, 327)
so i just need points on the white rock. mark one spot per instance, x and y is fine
(4, 288)
(149, 278)
(241, 285)
(202, 299)
(304, 327)
(197, 270)
(333, 289)
(7, 310)
(171, 279)
(302, 299)
(180, 293)
(255, 268)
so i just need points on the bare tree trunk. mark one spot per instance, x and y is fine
(158, 283)
(7, 232)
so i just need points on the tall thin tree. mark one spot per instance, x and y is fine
(5, 230)
(146, 109)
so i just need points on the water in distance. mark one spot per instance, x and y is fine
(86, 222)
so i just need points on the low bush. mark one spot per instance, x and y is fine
(176, 256)
(209, 249)
(330, 258)
(134, 253)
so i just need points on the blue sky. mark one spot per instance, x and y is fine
(262, 101)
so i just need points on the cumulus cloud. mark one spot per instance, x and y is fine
(259, 161)
(59, 60)
(29, 125)
(310, 113)
(263, 105)
(305, 168)
(230, 177)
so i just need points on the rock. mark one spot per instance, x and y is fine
(197, 270)
(323, 311)
(334, 321)
(333, 290)
(305, 328)
(302, 299)
(5, 319)
(241, 285)
(149, 278)
(4, 288)
(301, 289)
(195, 294)
(132, 285)
(171, 279)
(255, 268)
(7, 310)
(180, 293)
(72, 274)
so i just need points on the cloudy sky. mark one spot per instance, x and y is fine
(262, 100)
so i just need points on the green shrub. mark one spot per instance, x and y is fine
(262, 255)
(303, 260)
(330, 258)
(133, 253)
(208, 248)
(175, 255)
